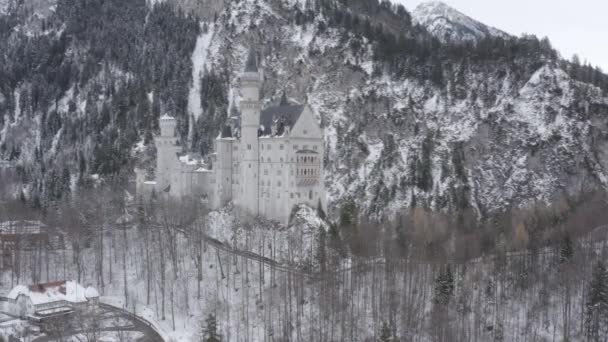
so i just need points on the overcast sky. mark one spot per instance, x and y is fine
(579, 26)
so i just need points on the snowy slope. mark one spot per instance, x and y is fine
(3, 6)
(490, 135)
(448, 24)
(199, 60)
(376, 127)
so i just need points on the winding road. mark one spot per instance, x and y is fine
(106, 318)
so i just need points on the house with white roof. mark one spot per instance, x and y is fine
(40, 301)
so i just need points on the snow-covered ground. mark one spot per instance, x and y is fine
(256, 302)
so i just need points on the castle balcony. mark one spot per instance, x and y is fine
(308, 168)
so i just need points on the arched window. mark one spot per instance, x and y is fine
(310, 194)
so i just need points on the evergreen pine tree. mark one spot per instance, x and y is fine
(320, 211)
(210, 333)
(385, 333)
(444, 286)
(321, 250)
(596, 320)
(566, 250)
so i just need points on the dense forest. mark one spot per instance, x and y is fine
(120, 60)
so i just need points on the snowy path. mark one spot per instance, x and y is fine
(199, 60)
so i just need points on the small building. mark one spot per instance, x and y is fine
(40, 301)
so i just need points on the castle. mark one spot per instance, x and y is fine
(265, 162)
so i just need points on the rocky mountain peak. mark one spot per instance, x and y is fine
(451, 25)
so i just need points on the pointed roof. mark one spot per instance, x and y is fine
(252, 64)
(284, 100)
(226, 132)
(286, 115)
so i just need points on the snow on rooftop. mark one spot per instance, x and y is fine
(167, 117)
(91, 292)
(68, 291)
(189, 160)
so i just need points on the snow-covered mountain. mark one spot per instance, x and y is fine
(451, 25)
(406, 123)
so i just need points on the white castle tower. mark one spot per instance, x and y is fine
(250, 123)
(266, 161)
(166, 151)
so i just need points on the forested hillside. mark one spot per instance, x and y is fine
(409, 120)
(83, 88)
(466, 178)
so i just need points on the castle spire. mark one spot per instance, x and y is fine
(252, 64)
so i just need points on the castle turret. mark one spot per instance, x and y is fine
(250, 123)
(166, 152)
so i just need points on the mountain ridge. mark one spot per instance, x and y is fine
(408, 121)
(450, 25)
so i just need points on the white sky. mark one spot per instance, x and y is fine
(579, 26)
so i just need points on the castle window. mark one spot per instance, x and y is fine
(281, 159)
(268, 147)
(310, 194)
(295, 147)
(281, 147)
(279, 184)
(278, 172)
(250, 166)
(265, 172)
(291, 195)
(306, 147)
(314, 147)
(305, 132)
(249, 146)
(269, 159)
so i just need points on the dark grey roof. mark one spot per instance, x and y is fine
(283, 116)
(226, 132)
(252, 64)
